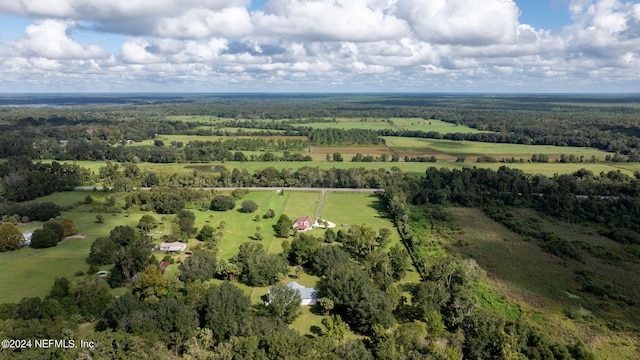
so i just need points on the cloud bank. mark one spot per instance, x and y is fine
(319, 45)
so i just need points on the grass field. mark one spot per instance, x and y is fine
(543, 283)
(453, 148)
(185, 139)
(393, 124)
(547, 169)
(31, 272)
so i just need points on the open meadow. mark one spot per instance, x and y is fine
(529, 278)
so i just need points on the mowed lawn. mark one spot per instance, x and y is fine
(357, 209)
(31, 272)
(240, 227)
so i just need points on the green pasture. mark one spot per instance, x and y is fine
(421, 124)
(236, 129)
(70, 198)
(547, 169)
(453, 147)
(31, 272)
(357, 209)
(196, 118)
(540, 283)
(548, 281)
(241, 227)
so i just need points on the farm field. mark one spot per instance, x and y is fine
(185, 139)
(391, 124)
(418, 146)
(547, 169)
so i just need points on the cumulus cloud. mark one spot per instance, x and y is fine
(320, 20)
(409, 45)
(203, 23)
(461, 21)
(48, 39)
(604, 29)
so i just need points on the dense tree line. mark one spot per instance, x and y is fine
(21, 180)
(125, 178)
(608, 199)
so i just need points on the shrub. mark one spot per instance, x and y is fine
(222, 203)
(249, 206)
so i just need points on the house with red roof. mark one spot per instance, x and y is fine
(303, 223)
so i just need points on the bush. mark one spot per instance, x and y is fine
(56, 227)
(10, 237)
(222, 203)
(239, 193)
(270, 214)
(249, 206)
(44, 238)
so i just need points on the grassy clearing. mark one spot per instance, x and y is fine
(69, 198)
(452, 147)
(31, 272)
(393, 124)
(197, 118)
(340, 208)
(546, 280)
(523, 279)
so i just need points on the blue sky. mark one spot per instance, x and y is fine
(320, 45)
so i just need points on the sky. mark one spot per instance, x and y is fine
(495, 46)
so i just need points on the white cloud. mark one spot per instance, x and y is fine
(112, 9)
(468, 22)
(409, 45)
(137, 52)
(329, 20)
(48, 39)
(203, 23)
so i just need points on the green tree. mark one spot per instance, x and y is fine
(303, 248)
(222, 203)
(99, 219)
(150, 284)
(399, 258)
(356, 298)
(122, 235)
(201, 265)
(226, 309)
(10, 237)
(186, 219)
(56, 227)
(147, 222)
(102, 251)
(284, 303)
(329, 236)
(249, 206)
(283, 226)
(334, 327)
(68, 226)
(44, 238)
(327, 305)
(270, 214)
(206, 233)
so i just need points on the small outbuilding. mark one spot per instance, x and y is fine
(173, 246)
(27, 238)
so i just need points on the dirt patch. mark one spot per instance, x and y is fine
(76, 236)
